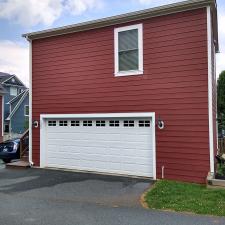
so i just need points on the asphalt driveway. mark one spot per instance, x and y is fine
(36, 196)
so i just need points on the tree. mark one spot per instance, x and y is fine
(221, 101)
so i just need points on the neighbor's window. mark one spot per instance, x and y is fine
(13, 91)
(26, 110)
(129, 50)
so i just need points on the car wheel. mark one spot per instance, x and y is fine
(6, 160)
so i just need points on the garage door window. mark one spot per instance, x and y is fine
(75, 123)
(87, 123)
(100, 123)
(144, 123)
(114, 123)
(128, 123)
(51, 123)
(63, 123)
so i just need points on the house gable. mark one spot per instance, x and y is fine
(13, 81)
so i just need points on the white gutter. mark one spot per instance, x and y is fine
(211, 142)
(30, 102)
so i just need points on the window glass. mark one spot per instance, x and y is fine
(13, 91)
(26, 110)
(128, 50)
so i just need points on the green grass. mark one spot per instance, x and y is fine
(185, 197)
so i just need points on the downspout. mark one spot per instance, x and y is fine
(30, 102)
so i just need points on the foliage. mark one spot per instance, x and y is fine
(221, 169)
(221, 101)
(186, 197)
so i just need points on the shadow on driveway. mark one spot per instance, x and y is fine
(73, 186)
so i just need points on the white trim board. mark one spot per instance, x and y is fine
(43, 118)
(210, 108)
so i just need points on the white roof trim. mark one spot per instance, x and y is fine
(8, 79)
(13, 76)
(17, 106)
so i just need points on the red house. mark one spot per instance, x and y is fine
(133, 94)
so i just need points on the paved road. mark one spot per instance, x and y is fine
(40, 197)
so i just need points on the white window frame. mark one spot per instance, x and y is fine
(140, 70)
(11, 89)
(25, 110)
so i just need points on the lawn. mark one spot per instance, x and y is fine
(185, 197)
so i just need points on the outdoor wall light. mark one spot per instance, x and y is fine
(35, 124)
(161, 124)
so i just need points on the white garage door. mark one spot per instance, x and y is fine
(112, 145)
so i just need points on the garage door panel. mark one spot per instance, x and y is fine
(104, 143)
(107, 136)
(122, 150)
(104, 158)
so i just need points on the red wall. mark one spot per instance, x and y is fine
(74, 73)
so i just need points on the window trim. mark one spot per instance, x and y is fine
(25, 106)
(140, 71)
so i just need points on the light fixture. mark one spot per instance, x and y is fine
(161, 123)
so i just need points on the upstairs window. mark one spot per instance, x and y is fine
(13, 91)
(128, 50)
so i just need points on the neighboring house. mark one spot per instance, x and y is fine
(13, 87)
(18, 118)
(133, 94)
(2, 93)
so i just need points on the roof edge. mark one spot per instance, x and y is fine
(123, 18)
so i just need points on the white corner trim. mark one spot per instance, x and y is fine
(140, 50)
(30, 103)
(43, 118)
(209, 38)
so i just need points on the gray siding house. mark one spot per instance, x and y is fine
(15, 98)
(19, 113)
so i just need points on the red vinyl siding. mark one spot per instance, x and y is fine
(74, 73)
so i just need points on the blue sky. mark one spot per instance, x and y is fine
(22, 16)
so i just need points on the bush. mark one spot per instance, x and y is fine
(221, 169)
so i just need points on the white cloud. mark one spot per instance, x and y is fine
(14, 59)
(33, 12)
(77, 7)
